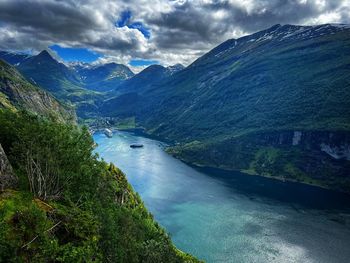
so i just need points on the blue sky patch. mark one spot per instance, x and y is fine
(75, 54)
(139, 26)
(124, 20)
(142, 62)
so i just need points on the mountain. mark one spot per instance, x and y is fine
(293, 69)
(274, 103)
(16, 93)
(148, 77)
(55, 77)
(13, 58)
(126, 97)
(103, 77)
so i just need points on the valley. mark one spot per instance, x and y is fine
(236, 108)
(245, 149)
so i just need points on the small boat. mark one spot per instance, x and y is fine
(108, 133)
(136, 145)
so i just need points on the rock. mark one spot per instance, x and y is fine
(7, 177)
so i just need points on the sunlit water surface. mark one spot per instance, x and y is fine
(231, 217)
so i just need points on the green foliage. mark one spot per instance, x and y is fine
(61, 152)
(94, 217)
(30, 233)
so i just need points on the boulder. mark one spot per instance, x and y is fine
(7, 177)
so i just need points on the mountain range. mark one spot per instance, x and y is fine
(82, 85)
(103, 77)
(274, 103)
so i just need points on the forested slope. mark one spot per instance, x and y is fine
(65, 205)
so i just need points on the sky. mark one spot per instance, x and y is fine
(143, 32)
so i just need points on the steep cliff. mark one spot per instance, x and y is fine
(7, 177)
(16, 93)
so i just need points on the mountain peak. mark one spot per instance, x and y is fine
(175, 68)
(178, 66)
(274, 27)
(153, 67)
(45, 54)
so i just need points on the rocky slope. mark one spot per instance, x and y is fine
(13, 58)
(80, 84)
(7, 176)
(16, 93)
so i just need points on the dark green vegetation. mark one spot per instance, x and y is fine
(16, 93)
(274, 103)
(68, 206)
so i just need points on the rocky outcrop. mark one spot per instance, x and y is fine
(7, 177)
(335, 144)
(16, 93)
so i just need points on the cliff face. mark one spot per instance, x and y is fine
(16, 93)
(7, 177)
(335, 144)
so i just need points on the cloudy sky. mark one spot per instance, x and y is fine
(141, 32)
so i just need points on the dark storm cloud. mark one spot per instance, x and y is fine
(191, 24)
(60, 20)
(177, 30)
(40, 23)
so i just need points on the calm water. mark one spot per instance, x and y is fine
(230, 217)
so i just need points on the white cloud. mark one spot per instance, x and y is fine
(181, 30)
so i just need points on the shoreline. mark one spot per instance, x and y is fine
(247, 172)
(142, 132)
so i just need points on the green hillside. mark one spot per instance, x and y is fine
(271, 103)
(261, 85)
(67, 205)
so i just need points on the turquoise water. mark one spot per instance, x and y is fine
(231, 217)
